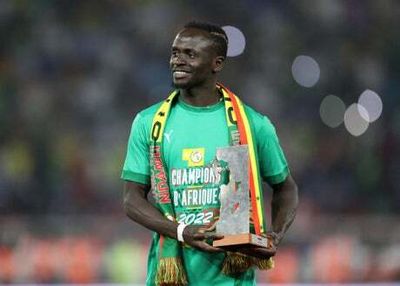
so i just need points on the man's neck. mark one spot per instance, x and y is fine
(201, 96)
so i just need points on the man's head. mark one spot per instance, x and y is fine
(198, 53)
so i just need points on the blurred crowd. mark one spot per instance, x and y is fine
(107, 249)
(73, 74)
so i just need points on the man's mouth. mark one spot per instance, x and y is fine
(180, 74)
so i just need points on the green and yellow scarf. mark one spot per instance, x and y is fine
(170, 270)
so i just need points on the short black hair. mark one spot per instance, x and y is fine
(217, 35)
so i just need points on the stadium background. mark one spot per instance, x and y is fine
(74, 73)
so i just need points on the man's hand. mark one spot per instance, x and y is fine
(197, 237)
(261, 252)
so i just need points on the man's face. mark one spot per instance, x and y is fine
(192, 59)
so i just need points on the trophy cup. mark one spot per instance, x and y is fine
(234, 217)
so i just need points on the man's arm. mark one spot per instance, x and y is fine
(283, 205)
(140, 210)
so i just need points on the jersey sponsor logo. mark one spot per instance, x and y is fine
(193, 156)
(168, 135)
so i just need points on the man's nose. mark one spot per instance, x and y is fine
(178, 60)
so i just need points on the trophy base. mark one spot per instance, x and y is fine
(243, 239)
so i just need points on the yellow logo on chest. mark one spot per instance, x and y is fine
(194, 156)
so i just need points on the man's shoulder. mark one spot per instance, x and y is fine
(150, 111)
(144, 118)
(259, 121)
(252, 112)
(255, 116)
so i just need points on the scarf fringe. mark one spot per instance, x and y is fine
(235, 263)
(170, 272)
(263, 264)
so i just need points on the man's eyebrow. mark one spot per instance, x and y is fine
(186, 50)
(189, 50)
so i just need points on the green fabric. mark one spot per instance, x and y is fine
(135, 177)
(278, 178)
(191, 137)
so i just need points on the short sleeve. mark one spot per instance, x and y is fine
(273, 165)
(136, 166)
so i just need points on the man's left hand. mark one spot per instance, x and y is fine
(262, 252)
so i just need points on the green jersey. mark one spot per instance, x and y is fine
(191, 137)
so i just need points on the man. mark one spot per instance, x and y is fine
(172, 151)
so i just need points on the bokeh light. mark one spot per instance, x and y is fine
(332, 110)
(372, 103)
(236, 41)
(305, 71)
(354, 120)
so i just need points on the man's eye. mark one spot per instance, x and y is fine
(191, 55)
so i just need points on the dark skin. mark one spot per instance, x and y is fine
(195, 64)
(143, 212)
(192, 53)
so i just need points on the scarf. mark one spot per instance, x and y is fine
(170, 270)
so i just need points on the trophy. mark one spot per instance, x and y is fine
(234, 220)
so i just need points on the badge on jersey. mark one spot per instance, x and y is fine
(193, 156)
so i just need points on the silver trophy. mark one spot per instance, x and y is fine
(234, 217)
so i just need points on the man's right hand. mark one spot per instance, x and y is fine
(197, 237)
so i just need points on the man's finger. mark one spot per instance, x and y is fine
(206, 247)
(203, 236)
(216, 236)
(265, 250)
(211, 227)
(258, 251)
(199, 236)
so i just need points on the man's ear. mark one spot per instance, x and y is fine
(218, 64)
